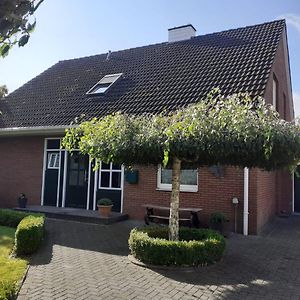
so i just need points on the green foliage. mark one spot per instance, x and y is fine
(195, 246)
(11, 269)
(217, 217)
(7, 289)
(29, 234)
(235, 130)
(16, 22)
(12, 218)
(11, 272)
(104, 202)
(6, 240)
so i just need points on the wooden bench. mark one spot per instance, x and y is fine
(153, 213)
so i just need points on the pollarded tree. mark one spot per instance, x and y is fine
(235, 130)
(16, 22)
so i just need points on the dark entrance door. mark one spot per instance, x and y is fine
(51, 178)
(77, 180)
(297, 191)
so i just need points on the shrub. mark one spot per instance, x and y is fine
(29, 234)
(217, 217)
(12, 218)
(104, 202)
(195, 246)
(7, 290)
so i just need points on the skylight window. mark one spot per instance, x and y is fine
(104, 84)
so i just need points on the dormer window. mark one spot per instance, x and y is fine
(104, 84)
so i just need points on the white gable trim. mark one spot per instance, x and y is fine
(288, 73)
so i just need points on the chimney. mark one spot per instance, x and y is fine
(181, 33)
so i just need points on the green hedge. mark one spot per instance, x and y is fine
(7, 290)
(12, 218)
(195, 247)
(29, 234)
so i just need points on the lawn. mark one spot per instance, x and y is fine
(11, 269)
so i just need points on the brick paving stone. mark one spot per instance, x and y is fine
(87, 261)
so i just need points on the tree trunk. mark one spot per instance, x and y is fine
(174, 204)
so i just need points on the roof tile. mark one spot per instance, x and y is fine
(156, 77)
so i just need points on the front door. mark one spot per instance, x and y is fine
(297, 191)
(51, 177)
(77, 180)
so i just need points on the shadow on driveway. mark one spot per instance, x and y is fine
(91, 260)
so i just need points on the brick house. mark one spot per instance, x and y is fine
(153, 78)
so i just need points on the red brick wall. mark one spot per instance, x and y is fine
(214, 194)
(266, 197)
(284, 192)
(21, 161)
(279, 69)
(252, 222)
(275, 190)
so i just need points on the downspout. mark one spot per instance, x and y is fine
(246, 201)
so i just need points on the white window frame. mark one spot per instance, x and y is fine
(168, 187)
(110, 171)
(107, 79)
(56, 159)
(275, 92)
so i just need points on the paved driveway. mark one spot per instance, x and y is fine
(82, 261)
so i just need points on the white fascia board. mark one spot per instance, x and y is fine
(38, 130)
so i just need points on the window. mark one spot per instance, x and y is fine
(110, 176)
(53, 160)
(53, 143)
(275, 92)
(188, 180)
(104, 84)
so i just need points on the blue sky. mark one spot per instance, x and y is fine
(90, 27)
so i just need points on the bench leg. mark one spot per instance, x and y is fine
(194, 219)
(148, 213)
(146, 218)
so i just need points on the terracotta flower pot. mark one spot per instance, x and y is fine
(104, 210)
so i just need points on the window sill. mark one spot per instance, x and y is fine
(183, 190)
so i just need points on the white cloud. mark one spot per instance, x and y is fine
(292, 19)
(296, 97)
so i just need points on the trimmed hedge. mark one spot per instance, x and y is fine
(29, 234)
(7, 290)
(195, 246)
(12, 218)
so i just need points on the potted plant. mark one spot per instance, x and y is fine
(220, 223)
(22, 201)
(104, 207)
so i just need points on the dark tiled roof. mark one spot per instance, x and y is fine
(156, 77)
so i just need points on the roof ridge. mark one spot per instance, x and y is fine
(163, 43)
(244, 27)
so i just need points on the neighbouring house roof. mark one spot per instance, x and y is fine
(155, 77)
